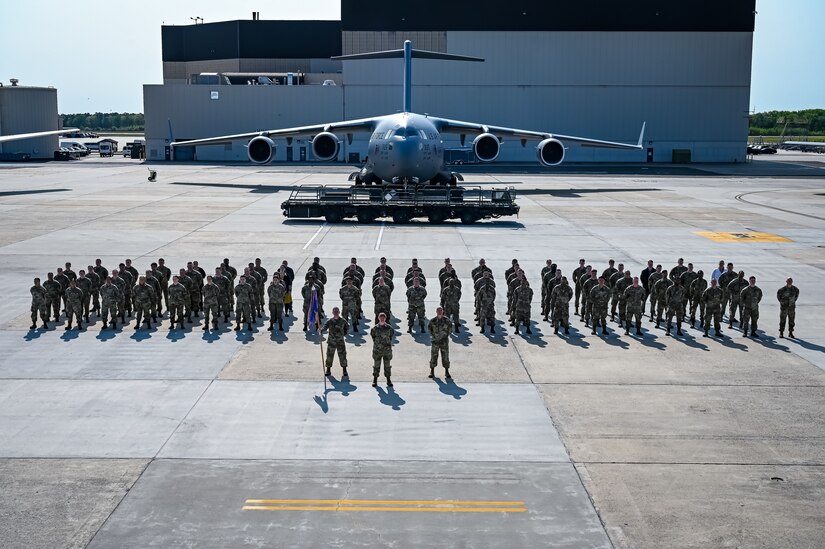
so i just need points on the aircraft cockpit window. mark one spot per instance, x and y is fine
(409, 132)
(390, 133)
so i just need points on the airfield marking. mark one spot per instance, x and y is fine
(380, 236)
(743, 236)
(321, 228)
(398, 506)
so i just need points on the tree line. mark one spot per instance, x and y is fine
(805, 122)
(105, 121)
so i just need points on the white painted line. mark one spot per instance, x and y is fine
(321, 228)
(380, 236)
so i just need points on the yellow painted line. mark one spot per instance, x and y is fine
(392, 509)
(387, 502)
(744, 236)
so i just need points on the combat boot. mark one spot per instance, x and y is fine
(593, 332)
(706, 333)
(137, 326)
(627, 331)
(409, 328)
(45, 326)
(679, 331)
(638, 331)
(374, 381)
(389, 382)
(692, 321)
(781, 335)
(33, 326)
(226, 318)
(482, 329)
(668, 328)
(492, 329)
(566, 330)
(87, 319)
(556, 330)
(238, 327)
(129, 313)
(271, 326)
(718, 333)
(249, 326)
(148, 325)
(103, 327)
(604, 330)
(432, 372)
(215, 324)
(754, 334)
(68, 327)
(205, 326)
(345, 374)
(328, 371)
(456, 328)
(114, 324)
(790, 334)
(545, 318)
(305, 327)
(529, 331)
(447, 374)
(421, 326)
(280, 325)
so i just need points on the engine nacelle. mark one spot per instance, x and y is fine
(486, 147)
(325, 146)
(261, 150)
(550, 152)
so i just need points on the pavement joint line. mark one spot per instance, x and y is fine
(321, 228)
(380, 236)
(388, 502)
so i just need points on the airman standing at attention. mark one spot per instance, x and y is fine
(587, 304)
(549, 283)
(675, 299)
(676, 272)
(450, 301)
(609, 271)
(96, 283)
(178, 301)
(144, 302)
(166, 281)
(787, 297)
(276, 293)
(85, 285)
(382, 295)
(654, 277)
(196, 297)
(127, 292)
(74, 304)
(337, 328)
(52, 288)
(696, 289)
(350, 296)
(749, 299)
(102, 274)
(189, 284)
(687, 279)
(262, 289)
(614, 296)
(416, 294)
(486, 303)
(619, 288)
(660, 291)
(598, 300)
(734, 290)
(243, 304)
(383, 263)
(109, 299)
(440, 329)
(251, 278)
(164, 288)
(210, 293)
(232, 273)
(69, 272)
(712, 302)
(382, 334)
(578, 273)
(560, 298)
(225, 284)
(634, 298)
(63, 280)
(121, 296)
(445, 269)
(522, 302)
(724, 280)
(156, 293)
(40, 304)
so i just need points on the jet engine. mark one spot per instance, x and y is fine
(325, 146)
(486, 147)
(550, 152)
(261, 150)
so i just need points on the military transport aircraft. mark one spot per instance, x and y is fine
(406, 148)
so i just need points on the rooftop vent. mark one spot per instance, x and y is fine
(14, 81)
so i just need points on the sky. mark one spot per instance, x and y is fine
(99, 57)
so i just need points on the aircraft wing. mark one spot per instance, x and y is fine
(346, 126)
(18, 136)
(456, 126)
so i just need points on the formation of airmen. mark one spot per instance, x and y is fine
(678, 294)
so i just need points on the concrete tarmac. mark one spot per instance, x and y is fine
(158, 438)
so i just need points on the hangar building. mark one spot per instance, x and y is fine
(29, 109)
(594, 69)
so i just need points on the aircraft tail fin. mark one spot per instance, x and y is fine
(408, 53)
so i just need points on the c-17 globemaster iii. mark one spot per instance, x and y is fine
(406, 147)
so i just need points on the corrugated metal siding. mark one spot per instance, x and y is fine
(25, 110)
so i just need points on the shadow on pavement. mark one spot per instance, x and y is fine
(449, 387)
(390, 398)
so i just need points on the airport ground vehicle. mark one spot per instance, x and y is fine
(127, 151)
(105, 149)
(366, 204)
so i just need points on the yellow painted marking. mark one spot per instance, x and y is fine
(745, 236)
(395, 509)
(387, 502)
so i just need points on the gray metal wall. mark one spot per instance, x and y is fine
(26, 110)
(692, 88)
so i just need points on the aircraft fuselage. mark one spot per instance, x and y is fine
(405, 147)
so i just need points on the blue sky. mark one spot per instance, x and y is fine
(99, 58)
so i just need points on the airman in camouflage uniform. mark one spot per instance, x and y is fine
(634, 302)
(687, 279)
(382, 334)
(514, 281)
(264, 276)
(276, 292)
(40, 304)
(231, 273)
(53, 291)
(675, 298)
(598, 301)
(383, 263)
(69, 272)
(384, 275)
(696, 289)
(196, 297)
(614, 296)
(121, 298)
(450, 301)
(85, 285)
(145, 300)
(651, 284)
(164, 282)
(578, 273)
(252, 281)
(587, 304)
(243, 304)
(382, 294)
(749, 299)
(63, 280)
(623, 283)
(549, 285)
(211, 293)
(127, 293)
(440, 329)
(610, 271)
(548, 274)
(560, 298)
(110, 296)
(677, 271)
(225, 285)
(787, 296)
(659, 293)
(178, 302)
(74, 304)
(156, 293)
(416, 294)
(350, 296)
(486, 302)
(712, 299)
(102, 274)
(96, 282)
(735, 288)
(724, 280)
(337, 328)
(187, 282)
(522, 302)
(132, 271)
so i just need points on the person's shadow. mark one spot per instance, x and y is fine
(390, 398)
(106, 335)
(464, 336)
(142, 334)
(807, 345)
(449, 387)
(211, 336)
(342, 386)
(69, 335)
(536, 337)
(31, 335)
(769, 342)
(500, 337)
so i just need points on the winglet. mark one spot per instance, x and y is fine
(642, 135)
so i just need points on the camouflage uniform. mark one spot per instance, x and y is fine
(85, 285)
(712, 300)
(787, 297)
(276, 292)
(262, 288)
(381, 349)
(675, 298)
(687, 279)
(40, 303)
(724, 280)
(145, 299)
(53, 292)
(696, 289)
(614, 295)
(189, 284)
(486, 299)
(598, 301)
(522, 302)
(587, 304)
(560, 297)
(156, 293)
(382, 300)
(243, 305)
(196, 296)
(660, 292)
(350, 298)
(734, 291)
(677, 272)
(163, 293)
(96, 282)
(210, 294)
(102, 273)
(63, 280)
(634, 300)
(749, 299)
(121, 299)
(225, 286)
(165, 281)
(110, 296)
(440, 329)
(254, 303)
(450, 300)
(177, 303)
(337, 328)
(651, 284)
(621, 285)
(127, 290)
(550, 285)
(415, 306)
(578, 274)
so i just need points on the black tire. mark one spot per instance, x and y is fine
(334, 216)
(468, 218)
(365, 217)
(401, 217)
(437, 218)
